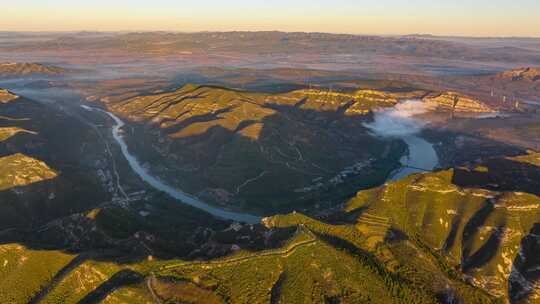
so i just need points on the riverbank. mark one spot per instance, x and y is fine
(158, 184)
(421, 157)
(401, 122)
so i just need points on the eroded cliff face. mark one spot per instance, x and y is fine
(529, 74)
(456, 102)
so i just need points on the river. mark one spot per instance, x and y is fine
(162, 186)
(399, 122)
(421, 157)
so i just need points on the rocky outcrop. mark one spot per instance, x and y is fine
(6, 96)
(528, 74)
(455, 102)
(361, 102)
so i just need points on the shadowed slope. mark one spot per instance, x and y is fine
(290, 146)
(48, 164)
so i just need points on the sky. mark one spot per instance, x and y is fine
(386, 17)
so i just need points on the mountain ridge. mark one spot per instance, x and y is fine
(20, 69)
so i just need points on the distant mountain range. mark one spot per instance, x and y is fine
(282, 49)
(27, 69)
(274, 42)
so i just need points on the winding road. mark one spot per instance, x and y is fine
(286, 252)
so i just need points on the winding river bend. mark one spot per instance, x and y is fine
(162, 186)
(396, 123)
(399, 123)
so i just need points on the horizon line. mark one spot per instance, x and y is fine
(419, 35)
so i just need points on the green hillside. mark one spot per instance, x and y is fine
(50, 164)
(261, 152)
(69, 233)
(429, 238)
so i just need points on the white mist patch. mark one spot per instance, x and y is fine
(398, 121)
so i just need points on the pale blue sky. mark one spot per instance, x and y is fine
(457, 17)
